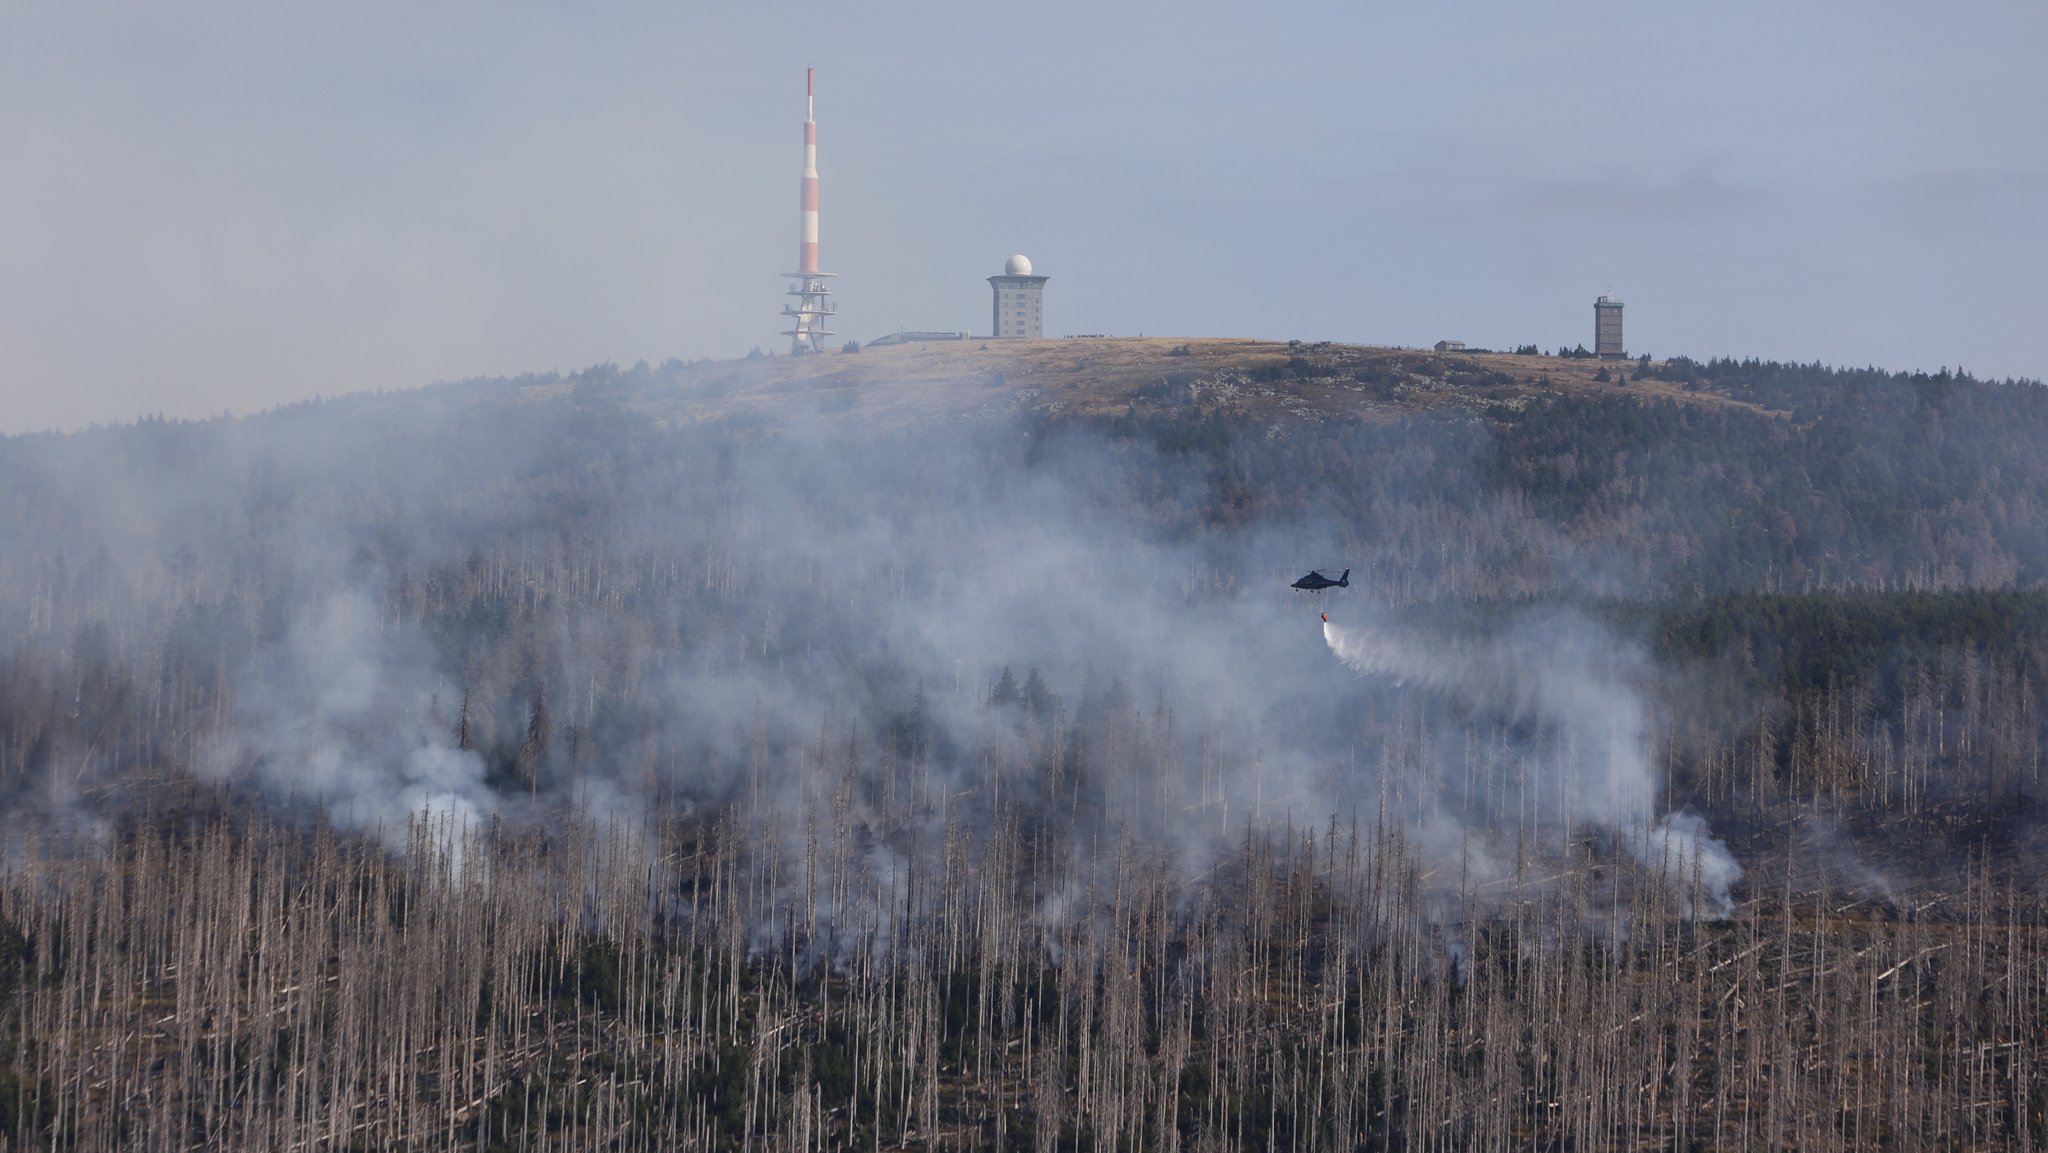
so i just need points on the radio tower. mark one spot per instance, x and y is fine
(813, 301)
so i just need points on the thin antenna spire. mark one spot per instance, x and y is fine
(813, 300)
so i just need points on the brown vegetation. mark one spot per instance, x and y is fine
(916, 385)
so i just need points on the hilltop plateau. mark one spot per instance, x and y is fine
(937, 383)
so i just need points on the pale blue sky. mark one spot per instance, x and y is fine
(210, 206)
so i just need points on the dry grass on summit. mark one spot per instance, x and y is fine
(966, 381)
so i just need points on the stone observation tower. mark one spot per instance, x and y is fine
(1020, 296)
(1607, 328)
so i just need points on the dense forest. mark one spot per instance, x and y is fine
(502, 767)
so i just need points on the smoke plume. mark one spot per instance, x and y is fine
(1565, 672)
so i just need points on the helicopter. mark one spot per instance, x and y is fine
(1316, 582)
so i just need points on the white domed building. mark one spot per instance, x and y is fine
(1020, 301)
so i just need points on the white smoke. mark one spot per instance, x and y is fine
(1693, 863)
(331, 714)
(1575, 677)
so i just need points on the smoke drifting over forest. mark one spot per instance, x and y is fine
(918, 748)
(443, 621)
(330, 714)
(1565, 672)
(446, 605)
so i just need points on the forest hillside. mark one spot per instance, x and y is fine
(922, 747)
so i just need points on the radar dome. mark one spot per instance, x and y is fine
(1019, 265)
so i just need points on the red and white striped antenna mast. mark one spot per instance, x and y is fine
(813, 300)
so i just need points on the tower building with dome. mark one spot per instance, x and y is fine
(1020, 301)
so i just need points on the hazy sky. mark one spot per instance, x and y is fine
(209, 206)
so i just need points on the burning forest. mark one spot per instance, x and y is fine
(501, 766)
